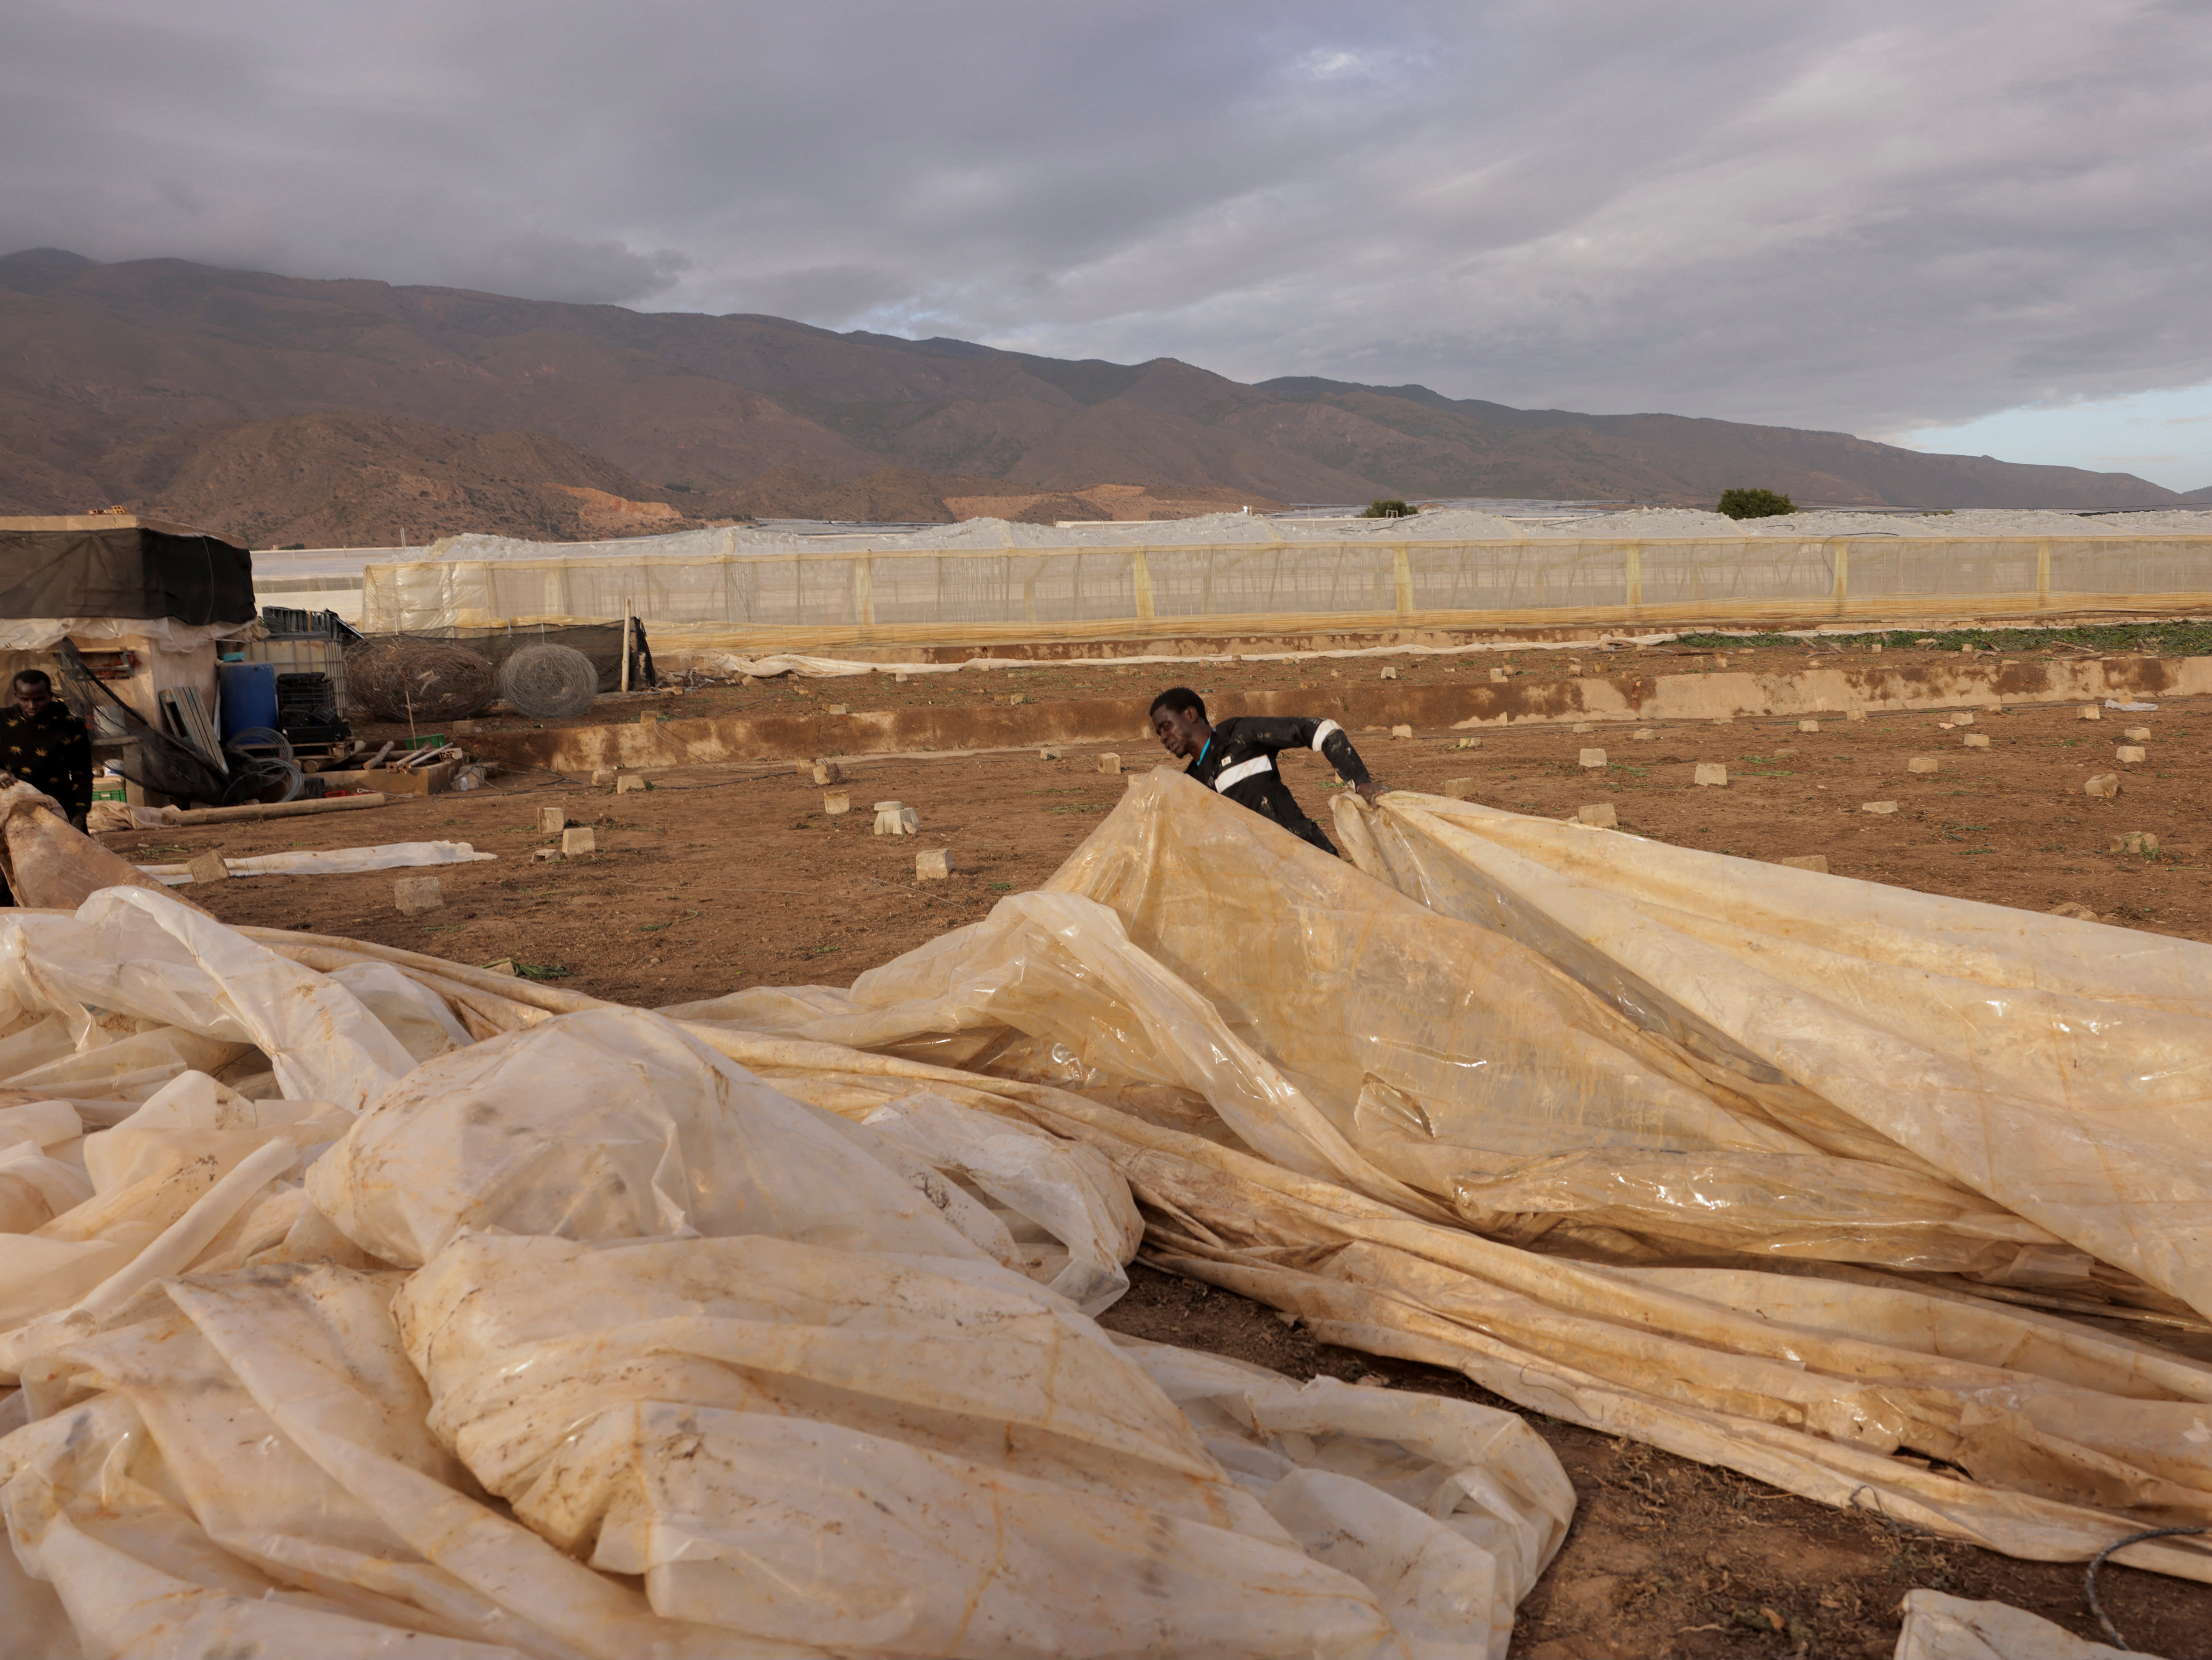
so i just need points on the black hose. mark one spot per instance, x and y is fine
(2089, 1579)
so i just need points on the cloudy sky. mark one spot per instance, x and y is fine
(1975, 225)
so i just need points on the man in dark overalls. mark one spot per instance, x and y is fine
(44, 745)
(1238, 757)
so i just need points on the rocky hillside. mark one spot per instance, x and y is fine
(290, 411)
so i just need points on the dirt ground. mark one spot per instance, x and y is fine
(719, 878)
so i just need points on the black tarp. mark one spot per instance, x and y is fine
(132, 571)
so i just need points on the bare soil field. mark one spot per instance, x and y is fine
(719, 878)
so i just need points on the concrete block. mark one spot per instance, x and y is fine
(1876, 649)
(1818, 861)
(1976, 740)
(604, 777)
(804, 769)
(1582, 726)
(1643, 734)
(1469, 744)
(1593, 757)
(549, 856)
(1459, 789)
(1389, 674)
(836, 802)
(2091, 712)
(1962, 717)
(2130, 755)
(579, 838)
(208, 867)
(1018, 697)
(1920, 763)
(1401, 732)
(900, 678)
(2104, 786)
(897, 818)
(1110, 764)
(1878, 806)
(628, 784)
(1711, 772)
(1500, 676)
(645, 717)
(552, 821)
(414, 894)
(829, 772)
(1599, 814)
(1047, 754)
(2142, 842)
(2137, 734)
(1809, 725)
(1856, 714)
(934, 866)
(841, 708)
(2080, 913)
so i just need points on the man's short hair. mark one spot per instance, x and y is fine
(1181, 699)
(36, 678)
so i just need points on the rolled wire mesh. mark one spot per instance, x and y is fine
(418, 680)
(547, 682)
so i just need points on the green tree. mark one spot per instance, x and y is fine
(1755, 504)
(1389, 507)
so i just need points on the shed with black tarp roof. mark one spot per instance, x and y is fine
(146, 606)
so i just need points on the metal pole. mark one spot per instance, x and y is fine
(625, 667)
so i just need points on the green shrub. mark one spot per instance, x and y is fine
(1389, 507)
(1755, 504)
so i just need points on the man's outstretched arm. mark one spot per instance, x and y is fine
(1325, 737)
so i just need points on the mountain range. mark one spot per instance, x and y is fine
(284, 410)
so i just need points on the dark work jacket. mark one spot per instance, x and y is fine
(52, 753)
(1239, 762)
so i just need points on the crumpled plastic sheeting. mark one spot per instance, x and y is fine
(141, 954)
(331, 861)
(2057, 1068)
(888, 1454)
(1068, 1214)
(1339, 1465)
(1941, 1626)
(615, 1124)
(253, 1458)
(46, 861)
(1429, 1044)
(1449, 1070)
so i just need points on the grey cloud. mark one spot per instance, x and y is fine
(1866, 216)
(540, 266)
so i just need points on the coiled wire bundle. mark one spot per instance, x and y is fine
(547, 682)
(420, 680)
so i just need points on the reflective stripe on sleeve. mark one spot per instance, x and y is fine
(1322, 733)
(1243, 771)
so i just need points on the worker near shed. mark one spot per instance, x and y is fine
(1238, 757)
(44, 745)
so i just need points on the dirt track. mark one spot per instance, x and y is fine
(720, 879)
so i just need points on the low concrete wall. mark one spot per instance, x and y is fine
(1701, 697)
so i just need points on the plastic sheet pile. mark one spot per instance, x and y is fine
(358, 1306)
(362, 1302)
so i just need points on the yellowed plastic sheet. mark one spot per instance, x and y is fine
(755, 1376)
(453, 1231)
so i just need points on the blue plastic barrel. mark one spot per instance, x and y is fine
(249, 696)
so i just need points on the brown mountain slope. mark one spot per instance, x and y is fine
(369, 480)
(101, 366)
